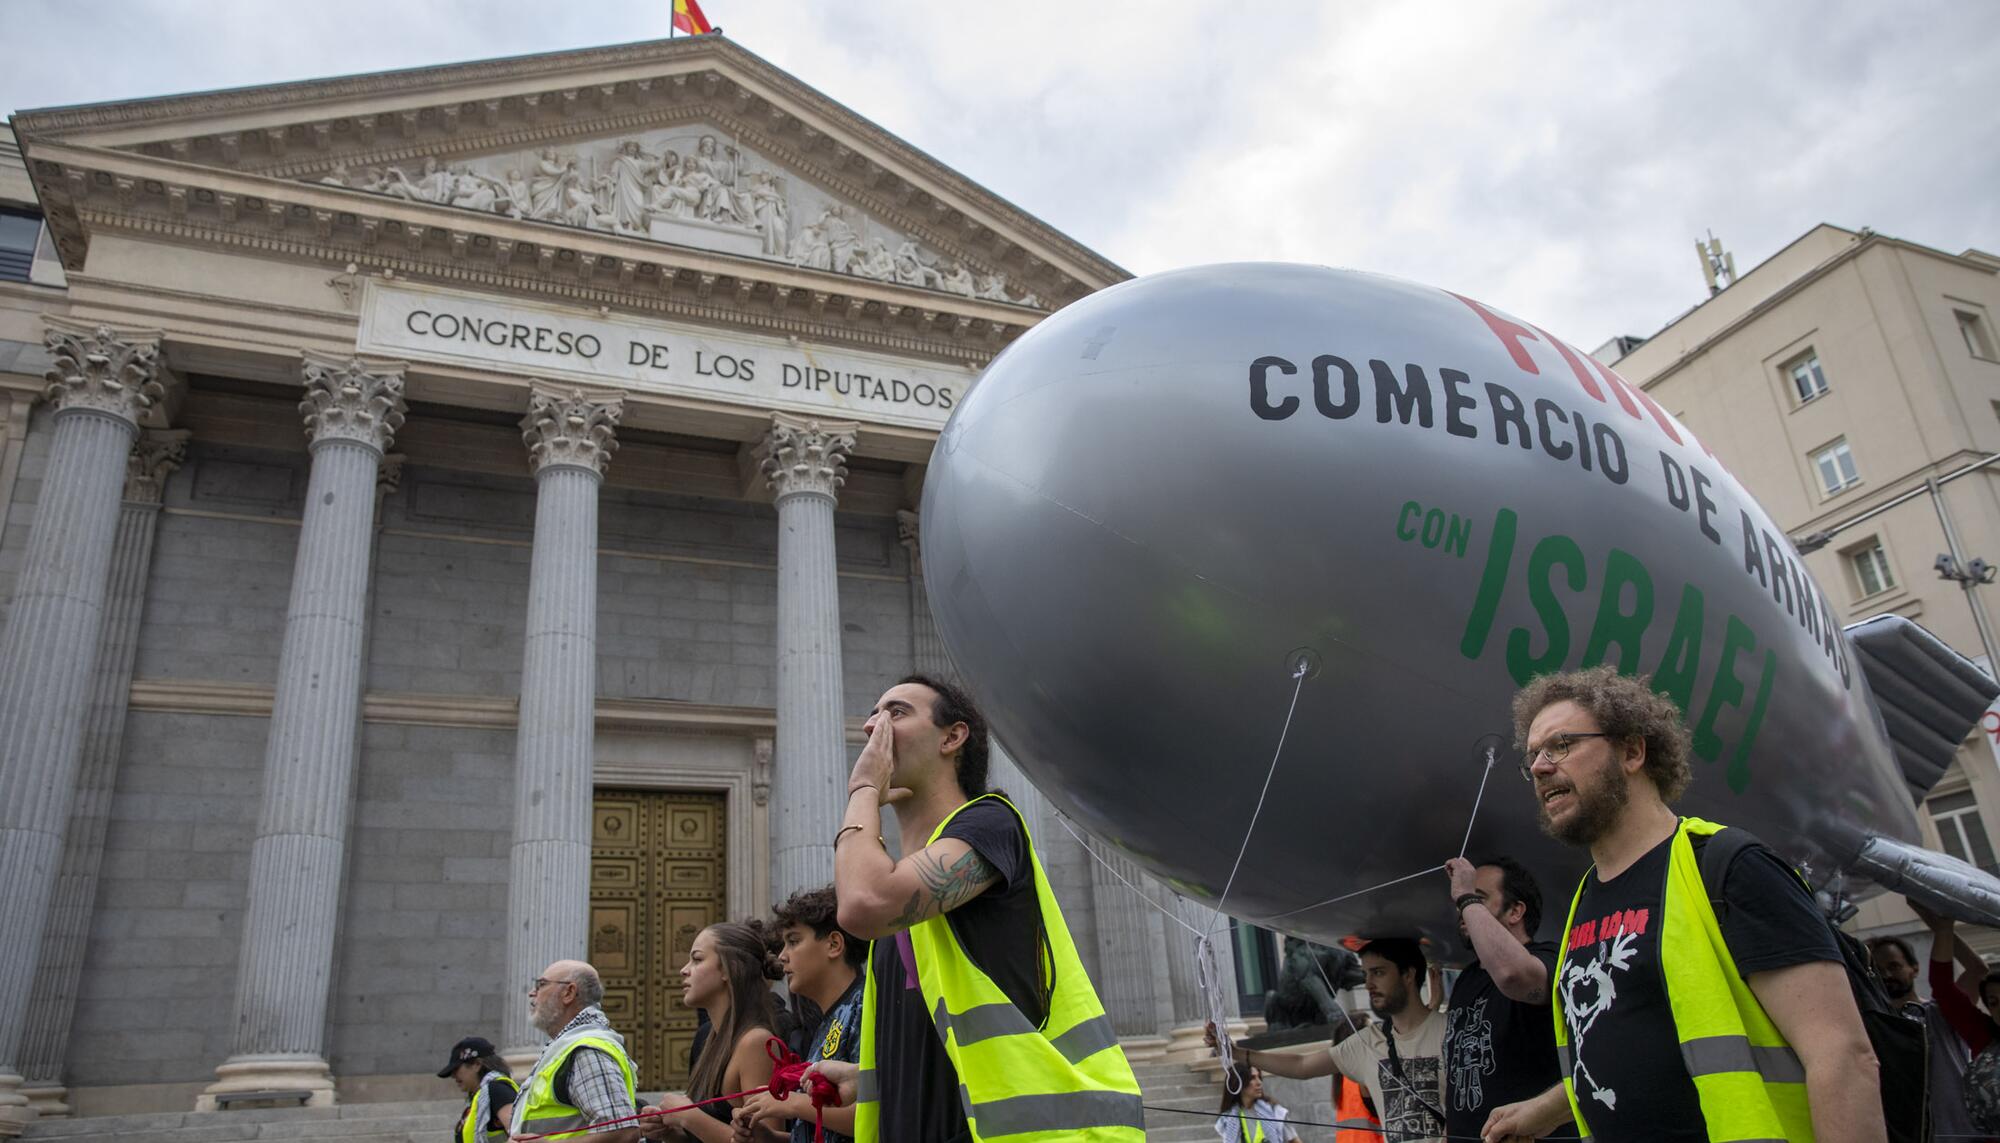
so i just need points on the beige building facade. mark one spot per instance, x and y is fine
(456, 518)
(1835, 380)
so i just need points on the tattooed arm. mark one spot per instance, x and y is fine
(880, 897)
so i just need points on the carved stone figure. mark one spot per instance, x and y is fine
(473, 192)
(549, 185)
(434, 185)
(633, 172)
(337, 177)
(1308, 983)
(878, 264)
(811, 250)
(959, 281)
(768, 209)
(993, 288)
(516, 197)
(911, 270)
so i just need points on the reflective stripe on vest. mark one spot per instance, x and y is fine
(1749, 1081)
(1244, 1127)
(538, 1112)
(1067, 1080)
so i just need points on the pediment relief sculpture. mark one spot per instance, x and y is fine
(692, 187)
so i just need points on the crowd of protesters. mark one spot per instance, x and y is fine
(1694, 988)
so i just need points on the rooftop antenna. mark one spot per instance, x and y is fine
(1716, 263)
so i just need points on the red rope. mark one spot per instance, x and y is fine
(787, 1077)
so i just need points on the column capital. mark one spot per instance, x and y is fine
(806, 455)
(102, 370)
(569, 425)
(155, 456)
(352, 400)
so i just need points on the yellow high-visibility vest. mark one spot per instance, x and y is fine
(1066, 1080)
(479, 1110)
(1750, 1081)
(539, 1112)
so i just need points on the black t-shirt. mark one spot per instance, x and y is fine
(1629, 1078)
(1001, 932)
(1496, 1050)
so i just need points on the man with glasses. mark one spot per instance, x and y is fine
(1683, 1011)
(584, 1076)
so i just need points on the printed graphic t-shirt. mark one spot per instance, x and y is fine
(1409, 1094)
(838, 1037)
(1000, 930)
(1629, 1078)
(1496, 1050)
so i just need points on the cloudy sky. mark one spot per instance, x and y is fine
(1557, 159)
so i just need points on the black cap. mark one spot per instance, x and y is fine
(466, 1051)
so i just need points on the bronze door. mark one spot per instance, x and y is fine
(656, 880)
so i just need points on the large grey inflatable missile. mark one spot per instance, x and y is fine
(1187, 506)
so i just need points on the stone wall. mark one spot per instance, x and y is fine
(160, 973)
(419, 962)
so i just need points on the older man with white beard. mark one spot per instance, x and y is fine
(585, 1075)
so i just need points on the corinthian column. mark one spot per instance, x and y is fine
(352, 410)
(100, 385)
(806, 463)
(570, 437)
(52, 1004)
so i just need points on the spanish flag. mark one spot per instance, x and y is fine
(688, 18)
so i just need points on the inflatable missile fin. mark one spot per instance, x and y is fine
(1938, 881)
(1929, 695)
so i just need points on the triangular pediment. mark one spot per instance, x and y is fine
(694, 144)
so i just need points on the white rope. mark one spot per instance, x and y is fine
(1141, 893)
(1476, 799)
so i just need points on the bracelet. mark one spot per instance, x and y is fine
(842, 833)
(860, 786)
(1459, 902)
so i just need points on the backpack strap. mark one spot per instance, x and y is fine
(1718, 851)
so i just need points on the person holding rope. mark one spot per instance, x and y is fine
(977, 1019)
(584, 1076)
(1397, 1060)
(1499, 1047)
(1246, 1116)
(727, 975)
(1683, 1010)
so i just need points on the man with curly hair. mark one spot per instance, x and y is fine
(1683, 1011)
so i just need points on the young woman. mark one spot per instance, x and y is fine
(727, 975)
(1246, 1116)
(481, 1074)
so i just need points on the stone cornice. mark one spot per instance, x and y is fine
(262, 126)
(195, 205)
(250, 700)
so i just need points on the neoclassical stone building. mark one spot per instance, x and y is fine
(456, 518)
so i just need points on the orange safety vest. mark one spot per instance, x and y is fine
(1350, 1105)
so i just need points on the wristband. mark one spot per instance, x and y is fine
(1459, 902)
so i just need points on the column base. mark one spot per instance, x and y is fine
(49, 1100)
(1143, 1049)
(287, 1080)
(15, 1114)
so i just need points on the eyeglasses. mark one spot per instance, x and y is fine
(543, 982)
(1555, 750)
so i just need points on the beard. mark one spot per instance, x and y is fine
(1897, 989)
(1599, 805)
